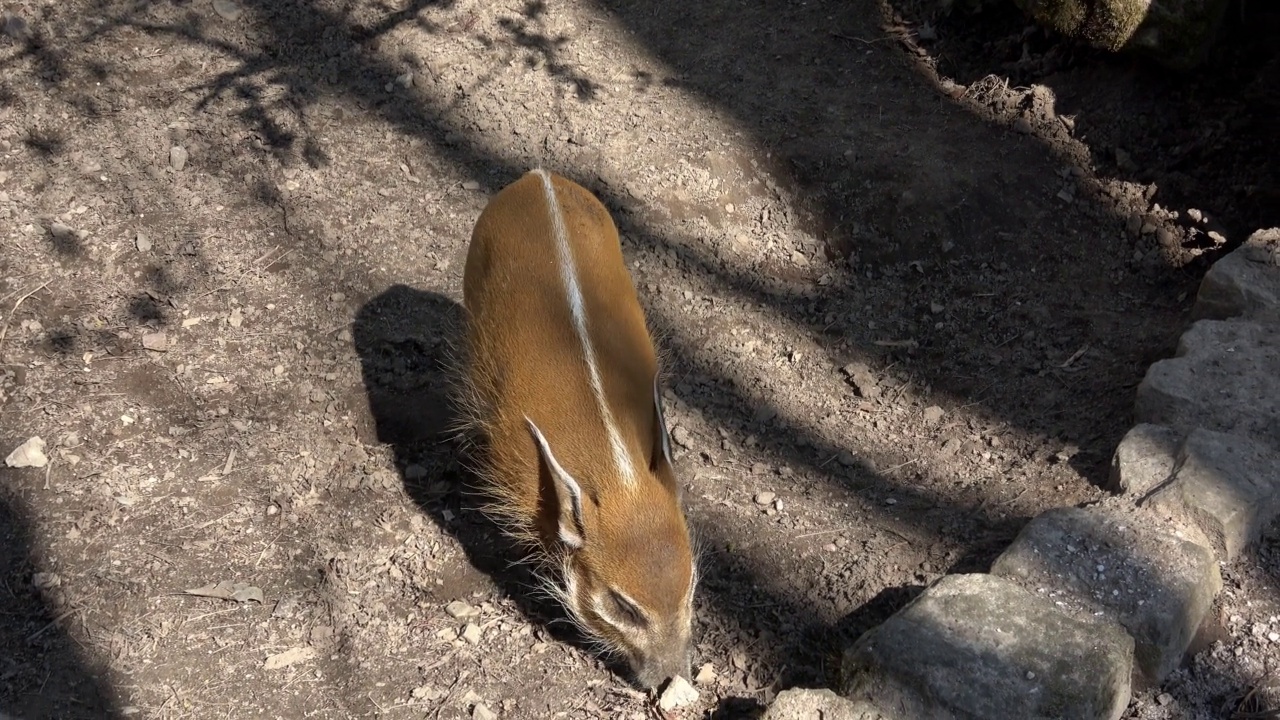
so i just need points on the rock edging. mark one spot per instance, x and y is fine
(1086, 601)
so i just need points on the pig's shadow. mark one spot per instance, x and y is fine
(406, 341)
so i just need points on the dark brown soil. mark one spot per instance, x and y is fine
(994, 246)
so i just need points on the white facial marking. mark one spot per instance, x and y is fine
(577, 310)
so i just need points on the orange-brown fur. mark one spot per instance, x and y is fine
(525, 360)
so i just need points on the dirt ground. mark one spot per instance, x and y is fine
(907, 262)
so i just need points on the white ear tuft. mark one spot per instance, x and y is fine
(660, 426)
(567, 491)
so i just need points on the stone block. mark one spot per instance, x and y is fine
(805, 704)
(980, 647)
(1144, 459)
(1174, 33)
(1114, 561)
(1225, 377)
(1244, 282)
(1229, 485)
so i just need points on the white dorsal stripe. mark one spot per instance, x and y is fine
(577, 310)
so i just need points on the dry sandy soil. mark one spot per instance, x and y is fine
(908, 263)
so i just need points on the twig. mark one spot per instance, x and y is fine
(897, 343)
(851, 38)
(1075, 356)
(53, 622)
(817, 533)
(899, 466)
(5, 330)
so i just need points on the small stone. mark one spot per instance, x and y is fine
(933, 414)
(157, 341)
(807, 704)
(177, 157)
(472, 633)
(461, 610)
(764, 414)
(236, 318)
(470, 185)
(846, 458)
(45, 580)
(936, 308)
(227, 10)
(1164, 698)
(764, 498)
(681, 436)
(707, 674)
(1022, 125)
(427, 692)
(28, 454)
(1134, 225)
(1144, 459)
(482, 712)
(143, 243)
(678, 694)
(14, 26)
(862, 379)
(61, 230)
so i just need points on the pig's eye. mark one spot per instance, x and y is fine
(624, 609)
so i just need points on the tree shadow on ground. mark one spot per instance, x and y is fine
(43, 673)
(772, 84)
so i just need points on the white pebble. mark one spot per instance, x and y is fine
(678, 694)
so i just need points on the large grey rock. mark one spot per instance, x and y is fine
(1114, 561)
(1244, 282)
(980, 647)
(1174, 33)
(1144, 459)
(804, 704)
(1229, 485)
(1225, 377)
